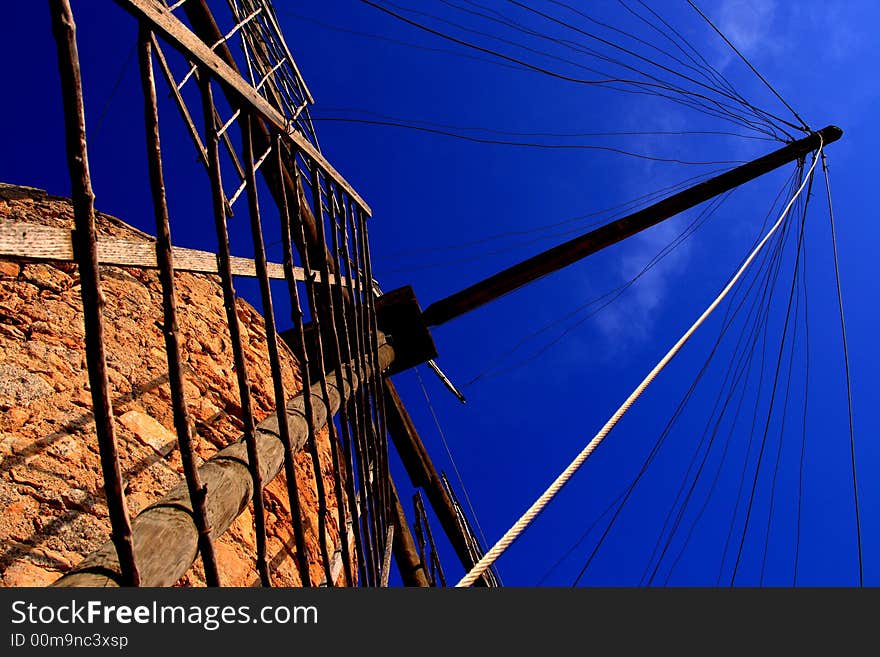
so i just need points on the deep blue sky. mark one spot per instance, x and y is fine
(521, 428)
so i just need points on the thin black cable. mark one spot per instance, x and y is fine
(521, 144)
(710, 70)
(612, 212)
(517, 26)
(785, 401)
(113, 90)
(800, 490)
(629, 35)
(528, 65)
(586, 533)
(658, 444)
(849, 402)
(766, 427)
(719, 77)
(713, 486)
(455, 469)
(803, 125)
(763, 332)
(755, 111)
(718, 471)
(739, 494)
(739, 369)
(641, 57)
(787, 386)
(514, 133)
(614, 294)
(487, 51)
(399, 42)
(670, 423)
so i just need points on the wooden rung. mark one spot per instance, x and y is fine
(181, 38)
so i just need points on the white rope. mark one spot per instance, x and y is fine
(520, 525)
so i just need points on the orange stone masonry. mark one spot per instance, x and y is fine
(52, 510)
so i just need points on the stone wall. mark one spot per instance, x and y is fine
(52, 508)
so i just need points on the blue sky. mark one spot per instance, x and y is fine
(434, 196)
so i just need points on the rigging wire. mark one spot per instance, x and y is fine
(710, 71)
(543, 236)
(713, 486)
(515, 133)
(798, 268)
(455, 469)
(613, 212)
(641, 57)
(487, 51)
(113, 91)
(726, 324)
(803, 125)
(849, 402)
(772, 400)
(522, 144)
(741, 367)
(736, 96)
(661, 83)
(399, 42)
(690, 492)
(739, 494)
(532, 512)
(781, 429)
(719, 77)
(584, 536)
(614, 294)
(800, 489)
(540, 69)
(758, 304)
(686, 398)
(724, 110)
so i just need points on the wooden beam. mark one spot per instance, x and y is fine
(180, 37)
(422, 473)
(26, 241)
(164, 535)
(288, 181)
(413, 572)
(386, 557)
(570, 252)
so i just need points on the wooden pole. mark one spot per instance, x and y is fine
(232, 321)
(205, 27)
(570, 252)
(165, 260)
(421, 471)
(86, 253)
(413, 570)
(164, 535)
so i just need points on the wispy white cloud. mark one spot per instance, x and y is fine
(632, 317)
(748, 23)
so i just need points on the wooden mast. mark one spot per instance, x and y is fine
(570, 252)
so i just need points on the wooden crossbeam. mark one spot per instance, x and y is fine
(26, 241)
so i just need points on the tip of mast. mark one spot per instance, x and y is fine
(830, 134)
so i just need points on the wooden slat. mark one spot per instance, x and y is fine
(386, 558)
(179, 36)
(21, 240)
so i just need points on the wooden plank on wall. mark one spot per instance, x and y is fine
(26, 241)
